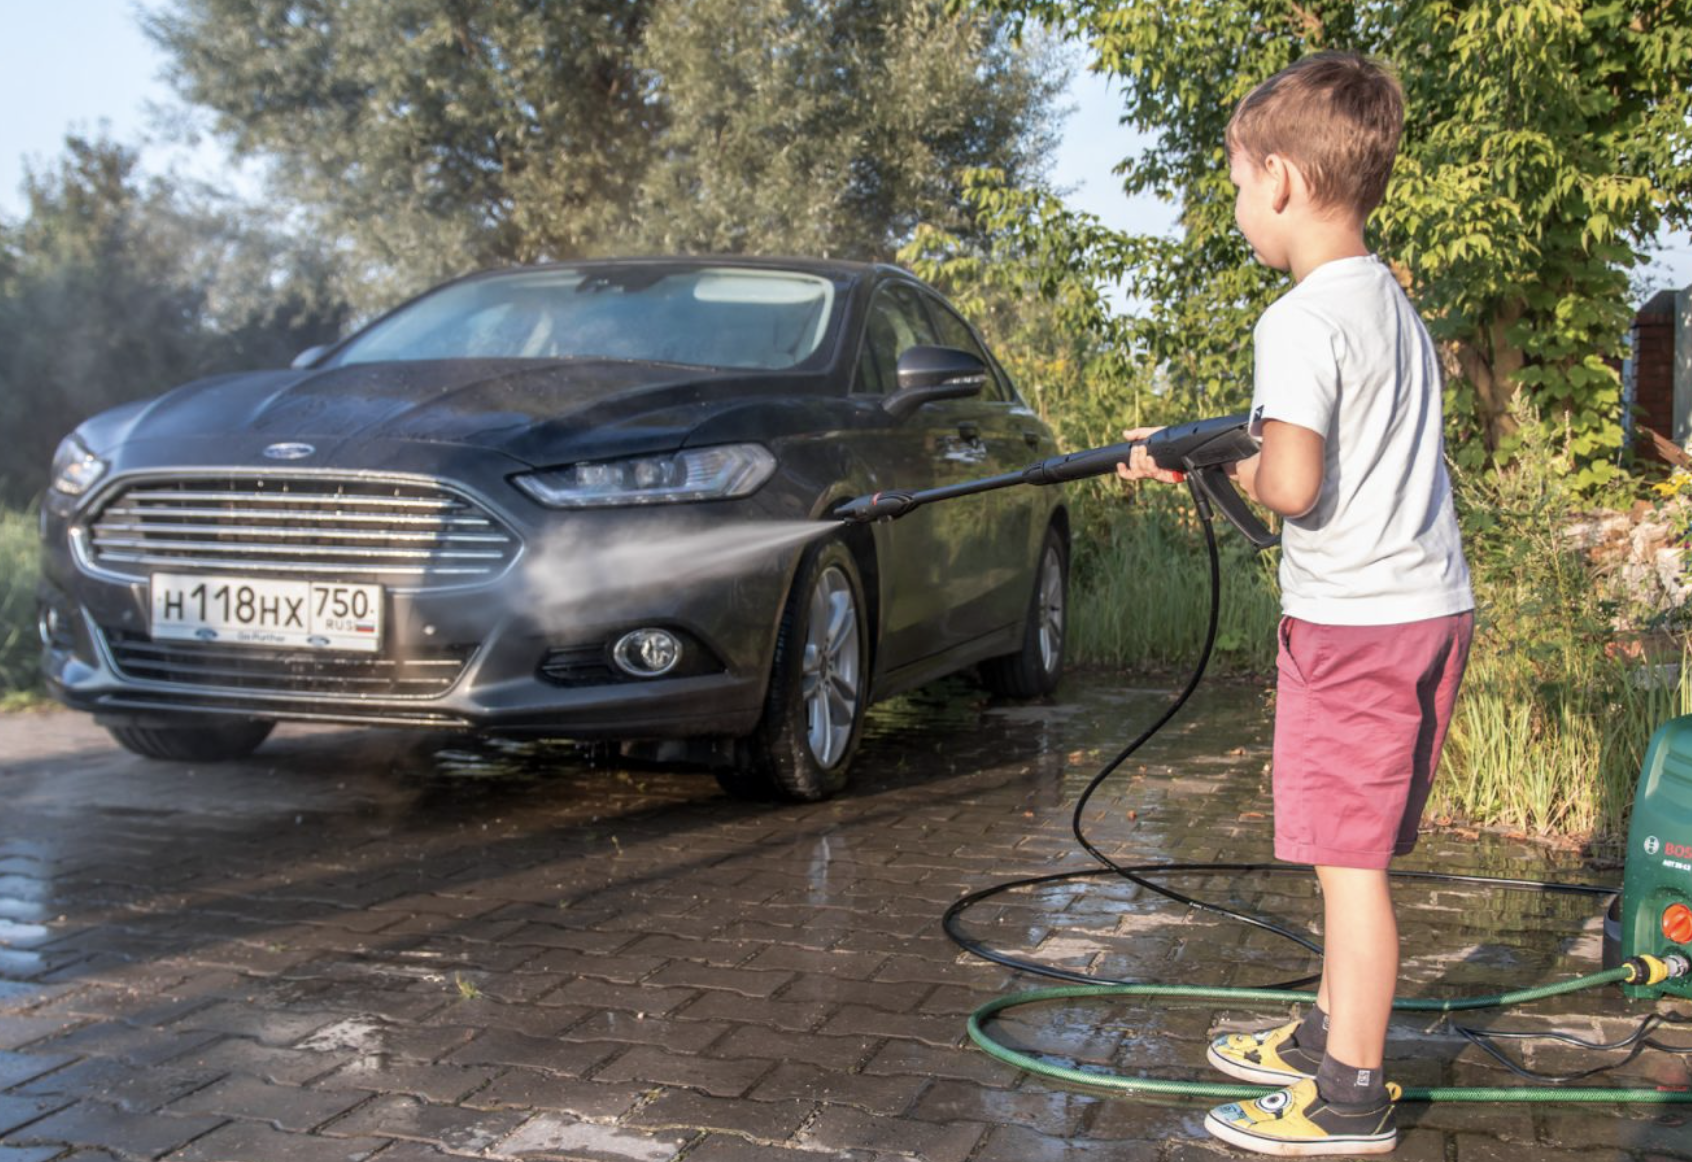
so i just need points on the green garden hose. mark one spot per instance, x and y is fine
(1150, 1085)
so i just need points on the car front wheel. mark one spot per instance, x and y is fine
(201, 740)
(819, 687)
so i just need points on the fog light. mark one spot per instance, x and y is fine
(54, 627)
(647, 653)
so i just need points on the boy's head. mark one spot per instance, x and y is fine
(1337, 117)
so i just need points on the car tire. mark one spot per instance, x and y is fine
(802, 748)
(1035, 668)
(196, 740)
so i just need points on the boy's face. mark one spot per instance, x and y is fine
(1258, 201)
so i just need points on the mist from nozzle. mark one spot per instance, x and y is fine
(576, 571)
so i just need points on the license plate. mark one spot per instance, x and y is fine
(313, 615)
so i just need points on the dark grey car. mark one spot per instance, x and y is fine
(585, 500)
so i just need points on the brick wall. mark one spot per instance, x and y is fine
(1653, 368)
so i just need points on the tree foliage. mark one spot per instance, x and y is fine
(113, 289)
(1546, 143)
(434, 136)
(831, 128)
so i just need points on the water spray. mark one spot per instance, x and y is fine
(1652, 955)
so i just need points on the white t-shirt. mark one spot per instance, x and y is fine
(1345, 355)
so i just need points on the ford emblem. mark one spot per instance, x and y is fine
(206, 633)
(289, 451)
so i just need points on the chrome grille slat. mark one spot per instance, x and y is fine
(227, 530)
(413, 533)
(297, 497)
(247, 566)
(351, 551)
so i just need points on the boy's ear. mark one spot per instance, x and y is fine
(1283, 175)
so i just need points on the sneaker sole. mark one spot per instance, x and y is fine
(1261, 1074)
(1300, 1148)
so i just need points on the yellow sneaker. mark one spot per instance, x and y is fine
(1265, 1058)
(1296, 1123)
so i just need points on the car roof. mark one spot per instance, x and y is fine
(834, 267)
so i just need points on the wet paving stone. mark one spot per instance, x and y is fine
(412, 947)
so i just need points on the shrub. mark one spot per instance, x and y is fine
(20, 649)
(1552, 724)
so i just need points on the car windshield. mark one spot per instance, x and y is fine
(732, 317)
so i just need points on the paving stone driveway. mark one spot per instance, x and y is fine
(361, 945)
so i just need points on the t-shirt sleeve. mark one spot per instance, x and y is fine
(1295, 375)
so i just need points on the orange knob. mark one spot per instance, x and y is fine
(1677, 923)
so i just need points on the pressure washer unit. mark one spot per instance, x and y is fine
(1648, 945)
(1655, 915)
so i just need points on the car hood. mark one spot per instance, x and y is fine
(537, 412)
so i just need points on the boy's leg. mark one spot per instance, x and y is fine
(1360, 716)
(1360, 963)
(1346, 1108)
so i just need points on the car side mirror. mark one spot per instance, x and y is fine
(309, 356)
(927, 374)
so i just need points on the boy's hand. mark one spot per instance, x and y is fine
(1244, 475)
(1140, 465)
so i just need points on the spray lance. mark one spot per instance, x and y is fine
(1201, 450)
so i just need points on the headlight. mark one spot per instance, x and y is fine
(720, 473)
(75, 468)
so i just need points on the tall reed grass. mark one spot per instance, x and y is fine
(1556, 709)
(20, 649)
(1141, 586)
(1554, 751)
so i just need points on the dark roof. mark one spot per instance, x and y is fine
(1661, 303)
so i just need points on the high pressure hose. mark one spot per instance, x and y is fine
(1095, 988)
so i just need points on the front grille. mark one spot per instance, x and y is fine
(422, 673)
(411, 534)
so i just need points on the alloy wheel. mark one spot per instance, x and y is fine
(831, 674)
(1048, 609)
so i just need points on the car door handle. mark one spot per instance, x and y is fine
(970, 432)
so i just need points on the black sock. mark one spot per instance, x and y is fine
(1345, 1085)
(1312, 1033)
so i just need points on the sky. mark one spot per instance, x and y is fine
(84, 65)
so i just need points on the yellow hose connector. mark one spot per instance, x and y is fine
(1646, 970)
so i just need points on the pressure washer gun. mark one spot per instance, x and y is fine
(1201, 451)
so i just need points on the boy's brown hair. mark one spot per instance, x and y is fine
(1337, 116)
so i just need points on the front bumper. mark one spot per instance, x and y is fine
(507, 654)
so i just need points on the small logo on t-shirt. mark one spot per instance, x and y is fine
(1257, 413)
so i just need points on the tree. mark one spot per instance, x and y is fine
(1546, 143)
(114, 289)
(831, 128)
(429, 137)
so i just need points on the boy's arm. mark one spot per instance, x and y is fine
(1286, 474)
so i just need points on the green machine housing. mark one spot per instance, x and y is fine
(1656, 900)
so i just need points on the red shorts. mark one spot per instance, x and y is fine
(1360, 717)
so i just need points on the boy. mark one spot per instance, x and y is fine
(1375, 591)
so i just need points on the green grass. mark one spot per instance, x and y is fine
(1141, 587)
(20, 648)
(1554, 749)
